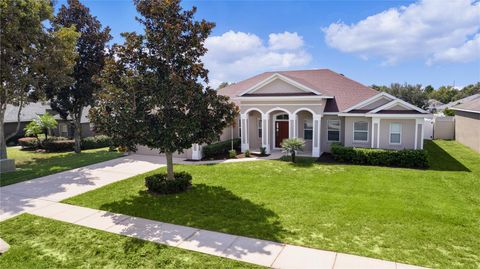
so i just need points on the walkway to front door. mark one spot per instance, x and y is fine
(281, 132)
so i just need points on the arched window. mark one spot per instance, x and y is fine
(282, 117)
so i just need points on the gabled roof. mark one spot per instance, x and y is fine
(275, 76)
(397, 102)
(345, 91)
(458, 102)
(32, 110)
(472, 105)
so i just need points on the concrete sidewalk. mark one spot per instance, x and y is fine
(256, 251)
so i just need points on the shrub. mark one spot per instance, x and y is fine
(159, 183)
(292, 145)
(220, 148)
(95, 142)
(410, 158)
(232, 154)
(57, 145)
(263, 151)
(247, 153)
(28, 142)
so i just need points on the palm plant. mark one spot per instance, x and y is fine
(42, 124)
(292, 145)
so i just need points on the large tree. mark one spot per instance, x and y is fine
(71, 100)
(33, 57)
(413, 94)
(153, 92)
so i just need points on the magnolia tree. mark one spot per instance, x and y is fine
(153, 90)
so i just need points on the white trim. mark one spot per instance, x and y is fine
(370, 100)
(397, 102)
(339, 130)
(279, 108)
(280, 98)
(388, 116)
(281, 77)
(466, 110)
(253, 109)
(297, 104)
(367, 131)
(390, 134)
(303, 109)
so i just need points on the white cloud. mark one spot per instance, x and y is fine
(285, 40)
(465, 53)
(234, 56)
(429, 29)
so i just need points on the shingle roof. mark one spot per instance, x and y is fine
(346, 92)
(473, 104)
(32, 110)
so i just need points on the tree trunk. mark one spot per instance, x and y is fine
(169, 157)
(293, 155)
(3, 142)
(77, 134)
(20, 106)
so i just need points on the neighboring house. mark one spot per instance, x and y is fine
(467, 123)
(433, 105)
(441, 108)
(32, 111)
(322, 107)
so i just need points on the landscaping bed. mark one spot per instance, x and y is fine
(42, 243)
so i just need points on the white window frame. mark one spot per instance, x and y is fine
(363, 131)
(239, 127)
(339, 130)
(390, 134)
(259, 127)
(309, 129)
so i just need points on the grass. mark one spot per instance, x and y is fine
(31, 164)
(424, 217)
(42, 243)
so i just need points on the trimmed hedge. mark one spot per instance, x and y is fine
(220, 148)
(55, 145)
(95, 142)
(28, 142)
(410, 158)
(159, 183)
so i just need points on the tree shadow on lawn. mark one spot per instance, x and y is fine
(440, 160)
(207, 207)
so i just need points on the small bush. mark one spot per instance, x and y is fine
(28, 142)
(55, 145)
(263, 151)
(247, 153)
(95, 142)
(410, 158)
(159, 183)
(220, 148)
(232, 154)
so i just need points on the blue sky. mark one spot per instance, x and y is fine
(373, 42)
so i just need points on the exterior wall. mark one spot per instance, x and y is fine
(467, 129)
(302, 116)
(349, 132)
(255, 142)
(325, 144)
(278, 86)
(398, 107)
(407, 134)
(444, 128)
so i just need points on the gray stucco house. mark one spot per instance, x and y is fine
(467, 122)
(322, 107)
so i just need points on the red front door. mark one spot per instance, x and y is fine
(281, 132)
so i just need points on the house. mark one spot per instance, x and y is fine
(467, 123)
(32, 110)
(320, 106)
(441, 108)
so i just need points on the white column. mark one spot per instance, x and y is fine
(316, 140)
(196, 152)
(244, 126)
(375, 134)
(291, 126)
(419, 122)
(295, 125)
(265, 131)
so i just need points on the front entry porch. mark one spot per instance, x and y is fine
(259, 129)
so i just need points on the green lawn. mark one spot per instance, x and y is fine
(42, 243)
(424, 217)
(31, 164)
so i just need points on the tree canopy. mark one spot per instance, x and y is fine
(153, 91)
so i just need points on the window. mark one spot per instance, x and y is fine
(63, 128)
(239, 127)
(282, 117)
(395, 133)
(307, 130)
(333, 130)
(259, 127)
(360, 131)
